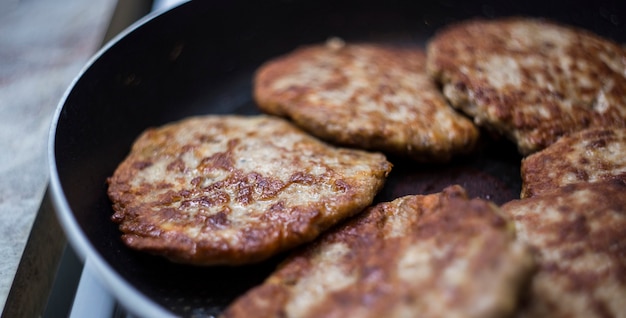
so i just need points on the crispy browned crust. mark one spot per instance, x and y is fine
(590, 155)
(233, 190)
(365, 96)
(438, 255)
(531, 80)
(578, 233)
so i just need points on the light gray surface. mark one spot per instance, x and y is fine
(43, 46)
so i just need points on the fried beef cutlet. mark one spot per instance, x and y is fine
(234, 190)
(438, 255)
(530, 80)
(365, 96)
(578, 233)
(590, 155)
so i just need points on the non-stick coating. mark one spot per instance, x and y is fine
(199, 58)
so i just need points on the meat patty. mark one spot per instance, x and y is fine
(578, 233)
(233, 190)
(365, 96)
(530, 80)
(590, 155)
(438, 255)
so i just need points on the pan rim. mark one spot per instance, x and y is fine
(124, 293)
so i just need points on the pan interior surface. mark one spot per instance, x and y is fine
(199, 58)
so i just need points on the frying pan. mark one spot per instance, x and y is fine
(199, 58)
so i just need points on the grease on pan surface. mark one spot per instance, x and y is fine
(234, 190)
(579, 235)
(365, 96)
(590, 155)
(423, 255)
(531, 80)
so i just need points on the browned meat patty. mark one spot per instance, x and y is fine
(579, 235)
(438, 255)
(233, 190)
(531, 80)
(365, 96)
(590, 155)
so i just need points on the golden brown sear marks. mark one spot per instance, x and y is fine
(578, 233)
(531, 80)
(591, 155)
(365, 96)
(438, 255)
(234, 190)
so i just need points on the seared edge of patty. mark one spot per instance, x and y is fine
(578, 235)
(591, 155)
(531, 80)
(366, 96)
(423, 255)
(234, 190)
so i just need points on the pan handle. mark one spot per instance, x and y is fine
(92, 299)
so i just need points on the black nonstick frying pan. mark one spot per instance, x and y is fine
(199, 58)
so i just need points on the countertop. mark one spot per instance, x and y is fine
(43, 46)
